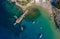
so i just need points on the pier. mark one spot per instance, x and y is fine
(18, 20)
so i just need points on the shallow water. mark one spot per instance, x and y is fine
(42, 25)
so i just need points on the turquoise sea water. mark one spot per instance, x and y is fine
(31, 31)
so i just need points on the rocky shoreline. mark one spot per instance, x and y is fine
(56, 14)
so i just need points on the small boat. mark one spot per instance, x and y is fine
(22, 27)
(40, 35)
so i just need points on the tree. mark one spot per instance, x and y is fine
(58, 4)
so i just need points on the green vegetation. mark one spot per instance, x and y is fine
(33, 13)
(58, 4)
(24, 2)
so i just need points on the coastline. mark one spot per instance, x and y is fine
(53, 25)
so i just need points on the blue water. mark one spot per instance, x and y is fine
(31, 30)
(53, 2)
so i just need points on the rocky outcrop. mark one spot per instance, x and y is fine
(56, 14)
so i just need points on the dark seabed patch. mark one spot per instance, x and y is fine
(31, 31)
(32, 14)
